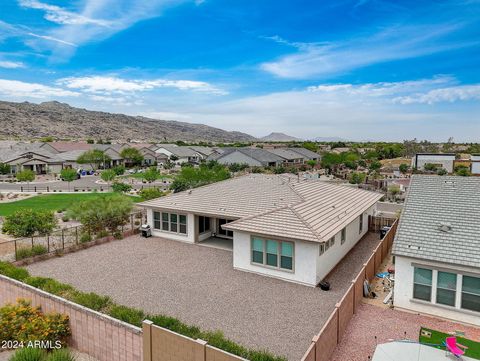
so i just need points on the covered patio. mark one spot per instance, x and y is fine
(219, 243)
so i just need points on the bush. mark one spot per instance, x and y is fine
(65, 218)
(23, 322)
(28, 222)
(29, 354)
(119, 169)
(23, 253)
(120, 187)
(39, 249)
(150, 193)
(102, 234)
(11, 271)
(126, 314)
(92, 300)
(62, 354)
(118, 235)
(85, 237)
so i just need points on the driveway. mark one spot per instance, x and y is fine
(198, 285)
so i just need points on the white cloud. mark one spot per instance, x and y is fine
(449, 94)
(113, 85)
(325, 60)
(51, 38)
(59, 15)
(20, 90)
(11, 64)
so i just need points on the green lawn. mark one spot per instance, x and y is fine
(51, 202)
(438, 338)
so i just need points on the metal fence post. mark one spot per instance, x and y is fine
(48, 243)
(76, 235)
(63, 238)
(15, 242)
(32, 241)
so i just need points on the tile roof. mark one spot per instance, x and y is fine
(305, 152)
(181, 152)
(286, 153)
(440, 220)
(68, 146)
(260, 155)
(275, 205)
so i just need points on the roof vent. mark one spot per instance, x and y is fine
(444, 227)
(190, 191)
(450, 183)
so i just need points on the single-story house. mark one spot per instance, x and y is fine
(307, 154)
(204, 151)
(251, 156)
(23, 156)
(445, 161)
(289, 157)
(437, 248)
(276, 225)
(182, 154)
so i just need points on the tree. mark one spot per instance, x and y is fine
(119, 169)
(430, 167)
(357, 178)
(310, 146)
(393, 190)
(68, 175)
(94, 157)
(5, 168)
(312, 163)
(403, 168)
(132, 156)
(107, 212)
(151, 193)
(331, 160)
(29, 222)
(26, 175)
(108, 175)
(90, 141)
(374, 166)
(120, 187)
(151, 174)
(209, 172)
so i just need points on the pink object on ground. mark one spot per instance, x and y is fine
(453, 347)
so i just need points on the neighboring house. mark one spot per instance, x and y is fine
(307, 154)
(251, 156)
(182, 154)
(289, 157)
(340, 150)
(280, 226)
(445, 161)
(475, 159)
(437, 248)
(35, 159)
(65, 146)
(204, 152)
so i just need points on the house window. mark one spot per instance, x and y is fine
(344, 236)
(332, 241)
(156, 220)
(272, 253)
(422, 284)
(321, 249)
(203, 224)
(222, 231)
(170, 222)
(471, 293)
(360, 224)
(446, 288)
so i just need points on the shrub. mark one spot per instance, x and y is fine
(29, 354)
(102, 234)
(150, 193)
(65, 218)
(85, 237)
(62, 354)
(92, 300)
(119, 169)
(27, 222)
(118, 235)
(11, 271)
(23, 253)
(26, 176)
(120, 187)
(132, 316)
(22, 322)
(39, 249)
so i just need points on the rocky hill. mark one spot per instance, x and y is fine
(279, 137)
(28, 120)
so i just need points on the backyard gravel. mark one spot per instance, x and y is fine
(199, 286)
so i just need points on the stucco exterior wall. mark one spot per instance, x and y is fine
(329, 259)
(304, 260)
(403, 297)
(189, 237)
(475, 164)
(445, 160)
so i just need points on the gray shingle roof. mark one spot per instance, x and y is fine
(286, 154)
(305, 153)
(433, 201)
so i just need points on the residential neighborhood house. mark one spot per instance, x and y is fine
(276, 225)
(437, 248)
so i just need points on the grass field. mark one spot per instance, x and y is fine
(52, 202)
(438, 338)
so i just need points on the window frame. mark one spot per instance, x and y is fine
(202, 223)
(343, 236)
(279, 253)
(168, 221)
(360, 223)
(437, 287)
(431, 285)
(462, 292)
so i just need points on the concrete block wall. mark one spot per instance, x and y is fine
(93, 333)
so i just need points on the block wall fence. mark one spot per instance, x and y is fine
(323, 344)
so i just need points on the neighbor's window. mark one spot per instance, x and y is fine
(446, 288)
(344, 236)
(360, 224)
(422, 284)
(170, 222)
(272, 253)
(156, 220)
(471, 293)
(203, 224)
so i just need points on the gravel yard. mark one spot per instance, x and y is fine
(199, 286)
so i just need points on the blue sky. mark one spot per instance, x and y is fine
(360, 70)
